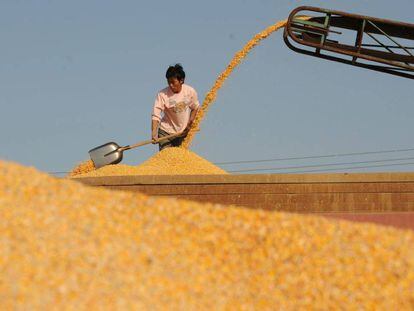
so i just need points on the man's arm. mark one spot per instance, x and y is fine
(154, 129)
(156, 116)
(192, 118)
(195, 107)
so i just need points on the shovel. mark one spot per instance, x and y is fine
(111, 153)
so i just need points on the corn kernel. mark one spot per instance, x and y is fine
(64, 245)
(170, 161)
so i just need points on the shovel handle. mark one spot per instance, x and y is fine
(146, 142)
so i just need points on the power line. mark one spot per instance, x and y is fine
(314, 156)
(319, 165)
(350, 168)
(321, 170)
(302, 158)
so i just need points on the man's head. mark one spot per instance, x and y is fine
(175, 77)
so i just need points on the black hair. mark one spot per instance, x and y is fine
(175, 71)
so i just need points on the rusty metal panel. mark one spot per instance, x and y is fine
(288, 192)
(271, 188)
(402, 220)
(248, 178)
(311, 202)
(383, 198)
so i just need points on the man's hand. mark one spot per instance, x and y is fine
(154, 138)
(191, 121)
(154, 131)
(187, 129)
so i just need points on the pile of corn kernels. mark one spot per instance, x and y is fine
(170, 161)
(68, 246)
(82, 168)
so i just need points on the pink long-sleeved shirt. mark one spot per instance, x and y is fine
(173, 110)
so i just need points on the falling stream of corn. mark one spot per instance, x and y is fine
(236, 60)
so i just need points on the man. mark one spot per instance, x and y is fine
(175, 109)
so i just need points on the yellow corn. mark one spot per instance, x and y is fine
(235, 61)
(82, 168)
(170, 161)
(67, 246)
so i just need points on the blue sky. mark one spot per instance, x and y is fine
(76, 74)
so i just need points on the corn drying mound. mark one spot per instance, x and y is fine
(67, 246)
(82, 168)
(170, 161)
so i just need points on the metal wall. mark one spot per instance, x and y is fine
(385, 198)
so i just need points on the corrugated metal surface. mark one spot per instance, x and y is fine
(385, 198)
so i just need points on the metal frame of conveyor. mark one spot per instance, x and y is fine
(374, 43)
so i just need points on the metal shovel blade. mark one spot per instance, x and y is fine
(106, 154)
